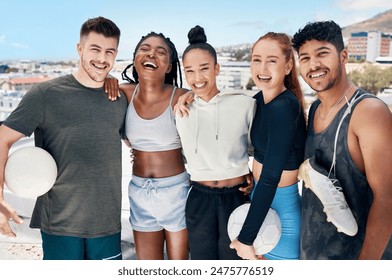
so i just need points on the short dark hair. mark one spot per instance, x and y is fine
(102, 26)
(328, 31)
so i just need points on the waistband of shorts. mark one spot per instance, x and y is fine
(287, 190)
(292, 189)
(207, 189)
(165, 180)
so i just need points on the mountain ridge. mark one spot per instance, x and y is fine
(380, 22)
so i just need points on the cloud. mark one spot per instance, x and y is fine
(19, 46)
(2, 39)
(363, 4)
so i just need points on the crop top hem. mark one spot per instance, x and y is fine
(155, 149)
(223, 174)
(288, 166)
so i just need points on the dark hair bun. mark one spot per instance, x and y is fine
(196, 35)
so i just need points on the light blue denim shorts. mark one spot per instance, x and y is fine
(158, 203)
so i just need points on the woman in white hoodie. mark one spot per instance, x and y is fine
(215, 139)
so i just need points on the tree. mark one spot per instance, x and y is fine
(373, 79)
(242, 54)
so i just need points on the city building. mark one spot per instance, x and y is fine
(370, 46)
(9, 100)
(22, 83)
(234, 74)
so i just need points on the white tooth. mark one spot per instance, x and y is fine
(149, 64)
(317, 75)
(99, 66)
(264, 77)
(199, 85)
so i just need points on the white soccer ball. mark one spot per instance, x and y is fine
(269, 233)
(30, 172)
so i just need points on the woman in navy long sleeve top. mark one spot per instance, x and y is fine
(278, 136)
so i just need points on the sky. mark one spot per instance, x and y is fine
(49, 30)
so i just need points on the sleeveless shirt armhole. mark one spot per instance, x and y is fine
(171, 105)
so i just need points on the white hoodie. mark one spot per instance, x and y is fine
(216, 136)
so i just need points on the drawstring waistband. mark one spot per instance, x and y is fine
(149, 185)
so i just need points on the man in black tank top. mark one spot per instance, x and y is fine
(363, 152)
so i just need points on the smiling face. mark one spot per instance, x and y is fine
(269, 66)
(152, 58)
(200, 73)
(321, 66)
(97, 55)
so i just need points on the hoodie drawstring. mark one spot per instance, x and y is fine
(197, 120)
(216, 117)
(197, 123)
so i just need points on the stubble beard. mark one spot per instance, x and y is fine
(89, 70)
(331, 83)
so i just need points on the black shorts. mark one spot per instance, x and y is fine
(207, 213)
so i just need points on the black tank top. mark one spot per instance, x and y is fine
(319, 238)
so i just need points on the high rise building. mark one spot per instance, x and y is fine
(369, 46)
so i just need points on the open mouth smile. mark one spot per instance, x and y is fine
(264, 78)
(150, 64)
(317, 75)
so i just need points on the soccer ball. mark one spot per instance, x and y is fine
(30, 172)
(269, 233)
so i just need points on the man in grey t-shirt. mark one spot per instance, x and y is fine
(72, 119)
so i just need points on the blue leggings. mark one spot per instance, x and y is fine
(287, 203)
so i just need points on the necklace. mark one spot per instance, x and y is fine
(336, 104)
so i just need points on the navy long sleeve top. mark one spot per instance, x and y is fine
(278, 136)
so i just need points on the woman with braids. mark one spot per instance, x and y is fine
(160, 184)
(216, 143)
(278, 136)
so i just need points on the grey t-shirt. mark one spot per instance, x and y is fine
(82, 130)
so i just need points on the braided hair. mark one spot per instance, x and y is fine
(171, 78)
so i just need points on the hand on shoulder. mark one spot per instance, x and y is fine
(183, 100)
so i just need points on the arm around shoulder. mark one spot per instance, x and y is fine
(181, 103)
(128, 90)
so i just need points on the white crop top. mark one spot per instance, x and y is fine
(159, 134)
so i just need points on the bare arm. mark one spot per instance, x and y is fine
(8, 137)
(372, 125)
(112, 88)
(181, 106)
